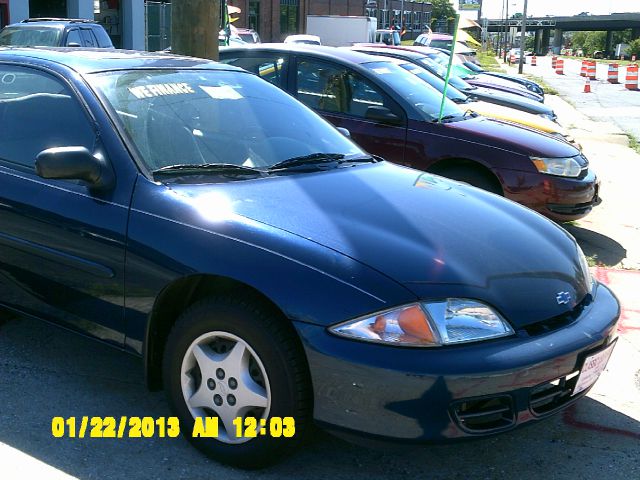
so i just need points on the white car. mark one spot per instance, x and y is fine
(308, 39)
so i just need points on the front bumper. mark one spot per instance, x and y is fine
(422, 394)
(560, 198)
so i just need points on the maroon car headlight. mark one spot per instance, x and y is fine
(563, 167)
(428, 324)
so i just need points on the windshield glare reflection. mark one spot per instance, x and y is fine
(198, 117)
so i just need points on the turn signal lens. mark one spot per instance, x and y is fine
(406, 325)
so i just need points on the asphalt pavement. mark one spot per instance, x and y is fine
(610, 234)
(607, 102)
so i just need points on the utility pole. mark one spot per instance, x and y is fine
(194, 28)
(522, 37)
(401, 16)
(506, 21)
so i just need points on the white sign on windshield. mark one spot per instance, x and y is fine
(223, 92)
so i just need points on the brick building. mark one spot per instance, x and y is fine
(275, 19)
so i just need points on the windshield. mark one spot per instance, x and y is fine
(443, 58)
(441, 71)
(200, 117)
(425, 99)
(441, 44)
(30, 36)
(436, 82)
(388, 38)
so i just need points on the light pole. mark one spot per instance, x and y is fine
(522, 36)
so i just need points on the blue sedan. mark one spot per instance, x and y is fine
(270, 272)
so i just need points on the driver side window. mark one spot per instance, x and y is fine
(335, 89)
(37, 111)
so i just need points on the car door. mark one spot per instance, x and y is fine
(349, 100)
(62, 245)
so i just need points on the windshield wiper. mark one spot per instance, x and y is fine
(199, 168)
(304, 160)
(445, 119)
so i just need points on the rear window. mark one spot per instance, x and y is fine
(29, 36)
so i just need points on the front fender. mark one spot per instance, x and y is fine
(308, 282)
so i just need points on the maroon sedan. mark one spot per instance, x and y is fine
(393, 114)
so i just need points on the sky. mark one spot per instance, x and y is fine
(540, 8)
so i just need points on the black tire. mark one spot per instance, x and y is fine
(280, 354)
(473, 176)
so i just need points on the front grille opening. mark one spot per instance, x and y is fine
(577, 209)
(485, 415)
(559, 321)
(549, 396)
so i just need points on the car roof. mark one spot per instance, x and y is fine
(52, 25)
(329, 53)
(441, 36)
(53, 22)
(410, 54)
(87, 60)
(422, 50)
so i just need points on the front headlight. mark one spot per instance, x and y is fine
(428, 324)
(564, 167)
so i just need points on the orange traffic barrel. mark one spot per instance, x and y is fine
(534, 59)
(583, 69)
(612, 74)
(631, 81)
(554, 61)
(512, 58)
(591, 70)
(560, 67)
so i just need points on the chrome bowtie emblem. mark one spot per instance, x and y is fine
(563, 298)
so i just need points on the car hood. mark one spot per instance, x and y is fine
(504, 82)
(509, 114)
(509, 99)
(437, 237)
(507, 136)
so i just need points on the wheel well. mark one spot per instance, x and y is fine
(459, 163)
(177, 297)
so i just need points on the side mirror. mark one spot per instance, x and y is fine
(73, 44)
(383, 115)
(344, 131)
(75, 163)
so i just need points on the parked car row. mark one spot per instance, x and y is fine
(272, 273)
(394, 114)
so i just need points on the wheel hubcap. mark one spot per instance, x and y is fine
(221, 376)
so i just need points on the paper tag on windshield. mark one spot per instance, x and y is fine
(223, 92)
(382, 70)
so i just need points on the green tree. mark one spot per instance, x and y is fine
(442, 9)
(578, 39)
(594, 41)
(589, 42)
(529, 42)
(634, 47)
